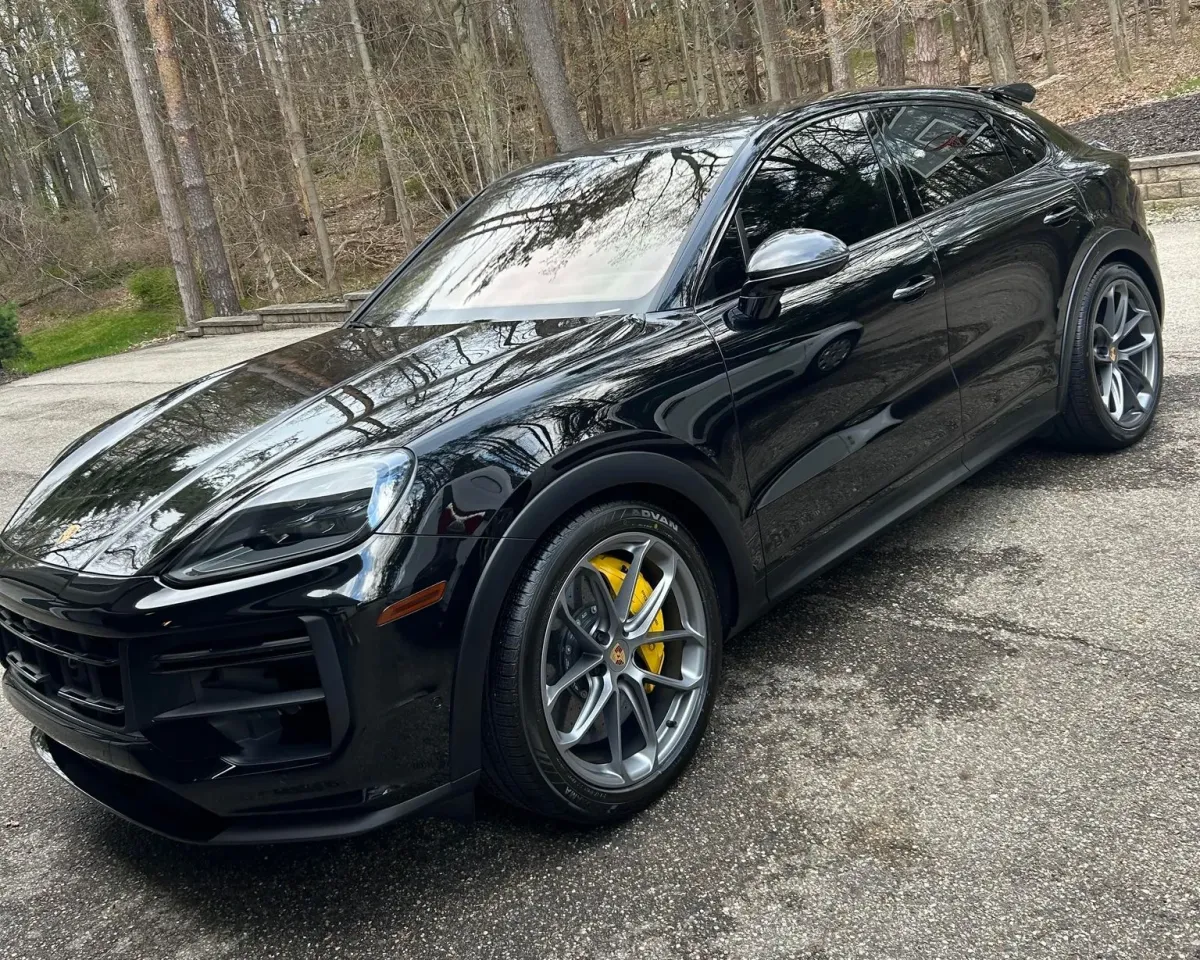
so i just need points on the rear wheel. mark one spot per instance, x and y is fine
(1116, 363)
(605, 666)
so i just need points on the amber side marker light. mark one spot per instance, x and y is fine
(412, 603)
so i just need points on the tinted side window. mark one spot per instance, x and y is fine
(826, 177)
(949, 152)
(1025, 148)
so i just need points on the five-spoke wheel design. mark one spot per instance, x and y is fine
(623, 661)
(1125, 351)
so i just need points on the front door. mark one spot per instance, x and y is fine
(850, 387)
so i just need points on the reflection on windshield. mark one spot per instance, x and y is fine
(585, 235)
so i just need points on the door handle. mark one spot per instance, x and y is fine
(1060, 215)
(914, 288)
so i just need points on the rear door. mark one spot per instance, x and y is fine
(1006, 226)
(850, 387)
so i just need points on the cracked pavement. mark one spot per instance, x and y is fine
(976, 738)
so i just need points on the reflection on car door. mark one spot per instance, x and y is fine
(849, 388)
(1006, 228)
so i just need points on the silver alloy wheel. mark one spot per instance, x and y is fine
(1125, 352)
(614, 720)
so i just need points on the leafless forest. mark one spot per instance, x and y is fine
(274, 148)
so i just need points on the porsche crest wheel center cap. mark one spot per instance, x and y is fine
(618, 656)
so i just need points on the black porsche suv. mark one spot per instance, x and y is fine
(495, 529)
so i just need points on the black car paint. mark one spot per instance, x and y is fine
(515, 424)
(817, 445)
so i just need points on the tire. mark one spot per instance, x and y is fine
(1088, 421)
(524, 762)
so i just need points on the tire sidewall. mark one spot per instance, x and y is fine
(576, 794)
(1086, 325)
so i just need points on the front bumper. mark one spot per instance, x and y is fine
(273, 712)
(154, 807)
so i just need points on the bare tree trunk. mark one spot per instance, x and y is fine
(1076, 17)
(714, 60)
(578, 27)
(63, 143)
(1047, 37)
(80, 196)
(889, 47)
(1185, 12)
(16, 143)
(749, 57)
(658, 72)
(70, 181)
(839, 63)
(160, 171)
(999, 41)
(296, 143)
(813, 67)
(385, 132)
(262, 248)
(90, 168)
(351, 88)
(549, 73)
(701, 78)
(962, 40)
(8, 191)
(770, 33)
(687, 79)
(1116, 19)
(202, 212)
(52, 164)
(470, 48)
(387, 192)
(925, 31)
(626, 69)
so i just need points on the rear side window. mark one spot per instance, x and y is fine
(825, 177)
(1025, 148)
(949, 152)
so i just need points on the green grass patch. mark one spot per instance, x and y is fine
(1188, 86)
(154, 288)
(98, 334)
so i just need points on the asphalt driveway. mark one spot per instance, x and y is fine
(978, 738)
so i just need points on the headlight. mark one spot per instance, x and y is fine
(315, 510)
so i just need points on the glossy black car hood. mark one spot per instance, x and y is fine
(151, 477)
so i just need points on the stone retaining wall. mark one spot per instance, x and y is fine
(281, 316)
(1169, 177)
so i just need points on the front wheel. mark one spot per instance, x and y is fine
(605, 666)
(1116, 363)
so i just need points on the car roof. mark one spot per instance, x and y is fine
(741, 124)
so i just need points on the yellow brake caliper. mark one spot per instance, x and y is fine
(614, 570)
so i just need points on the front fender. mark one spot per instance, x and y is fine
(503, 558)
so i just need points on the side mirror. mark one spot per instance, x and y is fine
(787, 259)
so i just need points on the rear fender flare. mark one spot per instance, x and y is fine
(1096, 249)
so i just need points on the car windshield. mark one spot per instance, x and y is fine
(579, 237)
